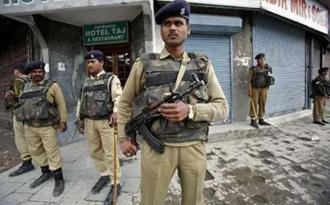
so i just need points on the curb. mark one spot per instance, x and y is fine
(242, 130)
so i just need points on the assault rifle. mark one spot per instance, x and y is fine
(141, 122)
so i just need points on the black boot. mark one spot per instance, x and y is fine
(254, 124)
(109, 198)
(46, 175)
(319, 123)
(59, 182)
(100, 184)
(263, 122)
(324, 121)
(25, 167)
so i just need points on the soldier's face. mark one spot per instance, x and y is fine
(94, 66)
(37, 75)
(324, 75)
(16, 73)
(261, 61)
(174, 31)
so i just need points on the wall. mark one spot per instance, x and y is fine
(148, 35)
(326, 58)
(242, 60)
(159, 43)
(316, 61)
(137, 36)
(65, 46)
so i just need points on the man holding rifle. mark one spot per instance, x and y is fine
(182, 126)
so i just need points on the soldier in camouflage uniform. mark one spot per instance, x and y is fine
(183, 126)
(42, 108)
(12, 98)
(98, 112)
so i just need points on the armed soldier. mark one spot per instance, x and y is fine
(12, 98)
(320, 92)
(42, 108)
(260, 78)
(98, 111)
(182, 126)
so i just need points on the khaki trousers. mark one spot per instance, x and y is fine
(157, 171)
(20, 140)
(318, 109)
(43, 146)
(101, 149)
(259, 99)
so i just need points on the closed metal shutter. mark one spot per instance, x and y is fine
(217, 48)
(284, 46)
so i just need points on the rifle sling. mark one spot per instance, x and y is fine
(182, 71)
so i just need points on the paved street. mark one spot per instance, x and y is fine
(287, 163)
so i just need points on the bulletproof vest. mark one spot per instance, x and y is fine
(260, 77)
(327, 87)
(160, 77)
(34, 108)
(319, 87)
(96, 101)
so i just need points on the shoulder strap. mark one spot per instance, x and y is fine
(150, 56)
(182, 71)
(106, 75)
(147, 58)
(269, 68)
(202, 60)
(110, 85)
(48, 83)
(192, 55)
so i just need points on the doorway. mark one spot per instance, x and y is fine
(117, 59)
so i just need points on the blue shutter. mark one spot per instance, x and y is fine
(217, 48)
(284, 46)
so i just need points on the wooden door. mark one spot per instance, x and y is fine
(117, 60)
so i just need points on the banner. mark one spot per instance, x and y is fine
(307, 12)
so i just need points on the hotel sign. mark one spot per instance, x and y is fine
(116, 32)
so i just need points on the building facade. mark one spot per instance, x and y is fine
(292, 34)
